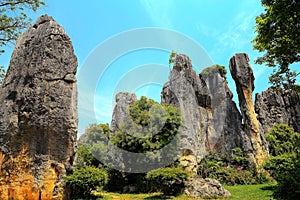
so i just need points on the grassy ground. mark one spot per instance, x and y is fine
(259, 192)
(241, 192)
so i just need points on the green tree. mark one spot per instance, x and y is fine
(282, 139)
(278, 36)
(96, 142)
(169, 181)
(85, 157)
(84, 180)
(284, 163)
(149, 127)
(13, 18)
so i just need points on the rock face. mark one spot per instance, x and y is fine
(212, 120)
(120, 113)
(275, 107)
(242, 74)
(38, 114)
(205, 188)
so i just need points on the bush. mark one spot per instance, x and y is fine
(85, 157)
(84, 180)
(169, 181)
(284, 163)
(235, 170)
(282, 139)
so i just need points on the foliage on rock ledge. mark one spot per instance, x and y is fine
(214, 69)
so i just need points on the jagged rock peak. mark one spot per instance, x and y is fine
(241, 70)
(212, 120)
(50, 50)
(242, 74)
(38, 112)
(182, 61)
(120, 112)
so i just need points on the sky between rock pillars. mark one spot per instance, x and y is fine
(221, 27)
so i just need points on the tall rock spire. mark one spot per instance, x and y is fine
(242, 74)
(38, 114)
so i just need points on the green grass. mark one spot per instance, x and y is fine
(240, 192)
(259, 192)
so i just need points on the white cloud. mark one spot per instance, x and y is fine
(159, 11)
(238, 34)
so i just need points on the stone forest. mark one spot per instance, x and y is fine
(38, 121)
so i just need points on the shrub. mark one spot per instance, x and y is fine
(284, 164)
(84, 180)
(230, 171)
(169, 181)
(282, 139)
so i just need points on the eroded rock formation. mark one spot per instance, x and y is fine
(212, 120)
(275, 107)
(38, 114)
(121, 112)
(242, 74)
(205, 188)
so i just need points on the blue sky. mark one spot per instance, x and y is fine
(221, 27)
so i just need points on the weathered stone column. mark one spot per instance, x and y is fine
(242, 74)
(38, 114)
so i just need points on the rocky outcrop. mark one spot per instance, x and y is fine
(242, 74)
(275, 107)
(212, 120)
(38, 114)
(121, 112)
(205, 188)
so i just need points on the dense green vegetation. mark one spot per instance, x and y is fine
(136, 135)
(149, 127)
(235, 170)
(278, 37)
(169, 181)
(284, 163)
(84, 180)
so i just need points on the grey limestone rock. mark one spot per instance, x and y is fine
(38, 108)
(120, 112)
(275, 107)
(242, 74)
(205, 188)
(212, 120)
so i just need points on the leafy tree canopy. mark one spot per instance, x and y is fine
(13, 18)
(278, 36)
(149, 127)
